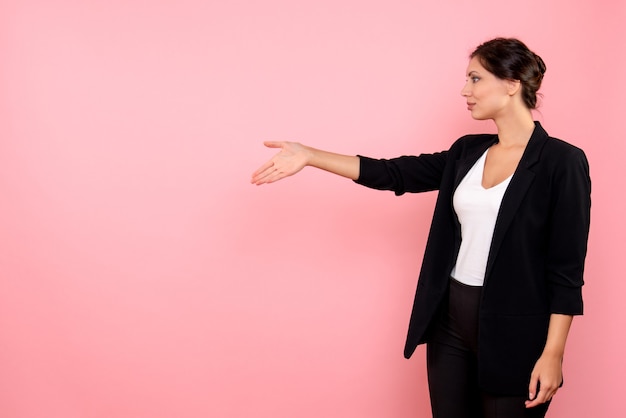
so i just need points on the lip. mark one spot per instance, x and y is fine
(470, 106)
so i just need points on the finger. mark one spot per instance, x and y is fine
(273, 144)
(532, 391)
(551, 395)
(274, 177)
(532, 386)
(542, 397)
(262, 177)
(261, 170)
(270, 175)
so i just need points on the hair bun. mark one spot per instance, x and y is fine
(540, 64)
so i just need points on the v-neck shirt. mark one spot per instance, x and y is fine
(477, 210)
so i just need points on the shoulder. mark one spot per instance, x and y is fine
(563, 154)
(563, 163)
(560, 147)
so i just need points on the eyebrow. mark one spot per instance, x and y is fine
(472, 72)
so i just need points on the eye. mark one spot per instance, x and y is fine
(475, 79)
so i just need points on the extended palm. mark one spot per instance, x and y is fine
(291, 158)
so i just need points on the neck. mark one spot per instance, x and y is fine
(515, 130)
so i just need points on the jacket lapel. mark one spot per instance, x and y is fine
(463, 165)
(519, 185)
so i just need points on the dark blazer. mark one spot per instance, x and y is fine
(535, 264)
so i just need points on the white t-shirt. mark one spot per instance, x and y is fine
(477, 209)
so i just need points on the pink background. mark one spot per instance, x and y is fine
(141, 275)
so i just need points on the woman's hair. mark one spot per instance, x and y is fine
(510, 59)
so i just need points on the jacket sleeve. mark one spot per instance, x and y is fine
(568, 233)
(411, 174)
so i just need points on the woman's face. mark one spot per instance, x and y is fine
(488, 96)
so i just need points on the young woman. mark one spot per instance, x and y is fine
(503, 267)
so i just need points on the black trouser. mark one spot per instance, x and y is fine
(452, 365)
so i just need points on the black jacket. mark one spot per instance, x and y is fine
(536, 260)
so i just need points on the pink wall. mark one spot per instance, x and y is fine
(141, 275)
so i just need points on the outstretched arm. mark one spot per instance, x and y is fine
(293, 157)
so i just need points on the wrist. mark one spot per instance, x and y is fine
(554, 352)
(309, 154)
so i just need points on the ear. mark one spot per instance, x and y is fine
(513, 86)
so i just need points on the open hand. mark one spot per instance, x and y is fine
(291, 158)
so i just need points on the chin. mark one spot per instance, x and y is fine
(479, 116)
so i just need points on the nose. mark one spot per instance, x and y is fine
(465, 91)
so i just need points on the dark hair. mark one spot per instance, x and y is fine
(510, 59)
